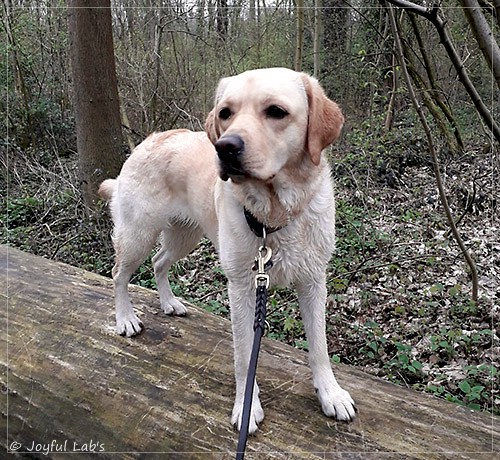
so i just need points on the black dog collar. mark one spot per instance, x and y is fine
(256, 226)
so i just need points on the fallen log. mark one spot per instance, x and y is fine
(70, 385)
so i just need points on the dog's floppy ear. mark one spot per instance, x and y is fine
(210, 127)
(212, 122)
(325, 119)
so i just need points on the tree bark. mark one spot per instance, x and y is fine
(483, 35)
(251, 12)
(317, 38)
(66, 376)
(222, 19)
(389, 115)
(157, 64)
(20, 87)
(299, 43)
(97, 108)
(496, 5)
(335, 18)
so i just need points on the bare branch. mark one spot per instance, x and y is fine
(435, 162)
(482, 33)
(433, 15)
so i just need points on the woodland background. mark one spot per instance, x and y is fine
(401, 301)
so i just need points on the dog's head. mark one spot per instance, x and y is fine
(268, 118)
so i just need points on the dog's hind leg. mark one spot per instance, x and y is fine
(176, 242)
(130, 254)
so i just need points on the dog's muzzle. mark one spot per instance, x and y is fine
(229, 150)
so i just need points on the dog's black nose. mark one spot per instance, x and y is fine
(229, 148)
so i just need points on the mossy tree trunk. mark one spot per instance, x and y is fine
(69, 380)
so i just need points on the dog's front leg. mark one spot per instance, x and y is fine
(335, 401)
(242, 302)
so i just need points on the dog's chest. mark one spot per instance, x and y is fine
(294, 261)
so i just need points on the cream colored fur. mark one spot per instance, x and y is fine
(170, 189)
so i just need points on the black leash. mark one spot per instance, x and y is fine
(263, 263)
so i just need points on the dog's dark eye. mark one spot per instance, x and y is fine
(276, 112)
(224, 114)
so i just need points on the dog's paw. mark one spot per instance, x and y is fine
(337, 403)
(256, 415)
(128, 325)
(174, 307)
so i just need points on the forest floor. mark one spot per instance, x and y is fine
(399, 289)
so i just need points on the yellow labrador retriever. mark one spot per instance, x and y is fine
(269, 128)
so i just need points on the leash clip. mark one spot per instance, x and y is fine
(262, 278)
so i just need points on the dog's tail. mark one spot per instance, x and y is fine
(107, 189)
